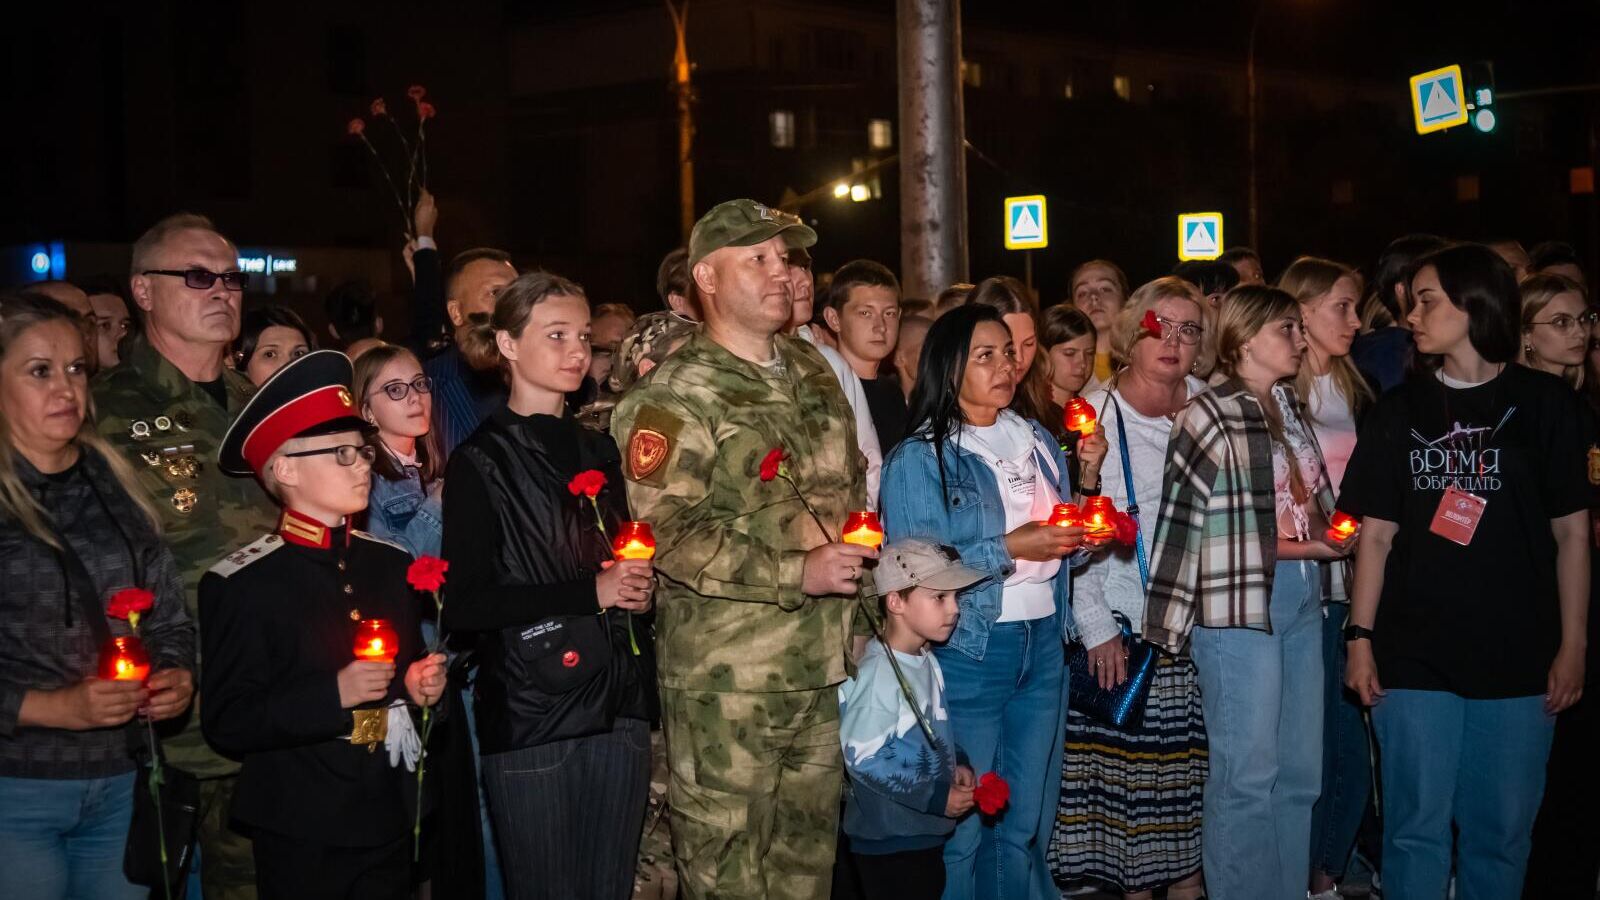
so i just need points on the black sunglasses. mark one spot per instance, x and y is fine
(203, 279)
(397, 390)
(345, 454)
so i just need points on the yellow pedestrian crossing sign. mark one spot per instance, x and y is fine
(1199, 235)
(1437, 101)
(1026, 228)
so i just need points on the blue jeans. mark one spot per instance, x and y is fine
(64, 838)
(1008, 715)
(1346, 757)
(1477, 763)
(1262, 697)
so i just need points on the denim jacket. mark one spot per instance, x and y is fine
(970, 516)
(407, 514)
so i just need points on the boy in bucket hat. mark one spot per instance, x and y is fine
(329, 810)
(909, 783)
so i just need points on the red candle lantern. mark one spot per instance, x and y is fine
(1098, 513)
(634, 540)
(1344, 525)
(376, 641)
(1079, 416)
(1065, 515)
(124, 659)
(863, 528)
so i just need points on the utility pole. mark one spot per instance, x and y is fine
(1250, 89)
(933, 165)
(679, 11)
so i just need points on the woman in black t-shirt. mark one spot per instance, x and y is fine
(1471, 586)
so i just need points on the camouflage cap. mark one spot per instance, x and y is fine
(653, 336)
(742, 223)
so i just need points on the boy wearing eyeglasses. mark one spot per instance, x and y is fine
(325, 734)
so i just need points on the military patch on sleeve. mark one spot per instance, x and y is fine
(651, 441)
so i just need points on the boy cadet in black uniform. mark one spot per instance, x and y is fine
(329, 809)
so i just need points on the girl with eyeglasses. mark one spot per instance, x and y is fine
(405, 506)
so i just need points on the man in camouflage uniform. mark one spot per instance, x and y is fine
(754, 602)
(165, 408)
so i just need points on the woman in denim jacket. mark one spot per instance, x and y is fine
(982, 479)
(393, 394)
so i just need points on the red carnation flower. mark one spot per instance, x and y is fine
(379, 108)
(1151, 324)
(587, 483)
(416, 92)
(772, 464)
(992, 794)
(129, 602)
(425, 110)
(427, 573)
(1123, 529)
(355, 128)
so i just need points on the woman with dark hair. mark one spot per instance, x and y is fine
(1015, 304)
(1471, 582)
(1237, 573)
(1384, 353)
(566, 681)
(269, 337)
(1068, 338)
(393, 394)
(978, 477)
(75, 530)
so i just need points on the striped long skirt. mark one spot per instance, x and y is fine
(1129, 816)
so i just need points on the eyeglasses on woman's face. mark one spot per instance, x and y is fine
(397, 390)
(344, 454)
(1187, 332)
(1564, 322)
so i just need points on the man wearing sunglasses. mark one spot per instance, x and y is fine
(165, 408)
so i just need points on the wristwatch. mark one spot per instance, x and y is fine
(1356, 633)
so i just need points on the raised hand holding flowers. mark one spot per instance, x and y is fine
(414, 150)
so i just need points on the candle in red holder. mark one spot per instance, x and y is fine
(863, 528)
(634, 540)
(1097, 515)
(124, 659)
(376, 641)
(1065, 515)
(1344, 525)
(1079, 416)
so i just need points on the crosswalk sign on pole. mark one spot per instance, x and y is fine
(1437, 100)
(1026, 227)
(1199, 235)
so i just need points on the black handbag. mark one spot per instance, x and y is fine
(1121, 706)
(178, 793)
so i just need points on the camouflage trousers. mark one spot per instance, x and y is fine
(227, 859)
(755, 781)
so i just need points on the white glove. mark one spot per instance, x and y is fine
(402, 742)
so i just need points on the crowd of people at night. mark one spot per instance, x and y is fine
(1164, 587)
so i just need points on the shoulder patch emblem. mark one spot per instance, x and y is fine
(647, 450)
(246, 555)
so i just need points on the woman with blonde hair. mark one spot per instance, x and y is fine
(1236, 574)
(1335, 395)
(1556, 319)
(75, 530)
(1130, 804)
(1100, 289)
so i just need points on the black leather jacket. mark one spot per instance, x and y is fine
(551, 666)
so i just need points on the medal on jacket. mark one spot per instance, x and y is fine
(184, 499)
(371, 726)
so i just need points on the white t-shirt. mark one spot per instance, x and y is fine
(1110, 582)
(1029, 495)
(1334, 425)
(856, 395)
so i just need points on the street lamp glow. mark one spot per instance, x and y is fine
(859, 192)
(40, 263)
(841, 190)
